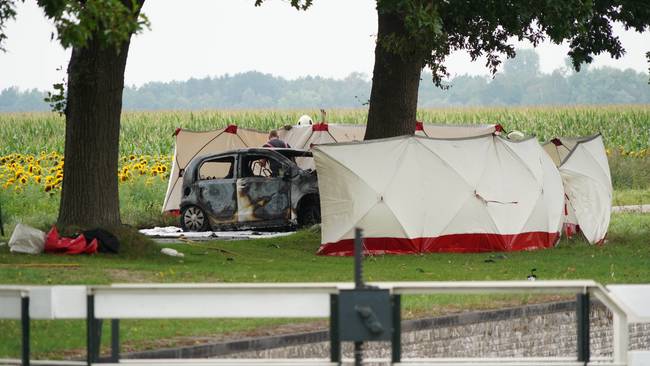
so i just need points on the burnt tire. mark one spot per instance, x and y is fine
(193, 218)
(309, 213)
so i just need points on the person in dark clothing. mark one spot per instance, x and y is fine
(275, 142)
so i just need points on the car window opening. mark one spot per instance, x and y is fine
(261, 166)
(222, 168)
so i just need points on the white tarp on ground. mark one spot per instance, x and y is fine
(170, 232)
(415, 194)
(190, 144)
(587, 181)
(26, 239)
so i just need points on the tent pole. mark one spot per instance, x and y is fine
(358, 284)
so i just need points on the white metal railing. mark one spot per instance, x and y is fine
(287, 300)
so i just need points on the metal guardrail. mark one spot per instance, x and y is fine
(14, 304)
(288, 300)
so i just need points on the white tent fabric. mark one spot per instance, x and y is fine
(455, 131)
(304, 137)
(584, 168)
(190, 144)
(415, 194)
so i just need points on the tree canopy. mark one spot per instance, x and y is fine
(110, 22)
(486, 28)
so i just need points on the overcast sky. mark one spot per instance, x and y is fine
(210, 38)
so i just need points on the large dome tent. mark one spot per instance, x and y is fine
(583, 165)
(415, 194)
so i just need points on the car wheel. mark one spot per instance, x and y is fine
(194, 219)
(309, 214)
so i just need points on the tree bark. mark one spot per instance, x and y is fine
(395, 83)
(90, 196)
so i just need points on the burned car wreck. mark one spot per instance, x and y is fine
(252, 188)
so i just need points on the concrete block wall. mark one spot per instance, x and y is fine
(532, 331)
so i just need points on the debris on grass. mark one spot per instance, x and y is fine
(171, 252)
(173, 232)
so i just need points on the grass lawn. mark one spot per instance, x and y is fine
(631, 197)
(624, 258)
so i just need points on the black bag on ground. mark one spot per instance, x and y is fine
(106, 241)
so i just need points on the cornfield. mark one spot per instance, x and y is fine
(32, 161)
(625, 128)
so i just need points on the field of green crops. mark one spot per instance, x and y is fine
(31, 148)
(624, 127)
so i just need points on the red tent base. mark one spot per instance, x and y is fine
(455, 243)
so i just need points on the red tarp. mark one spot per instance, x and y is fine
(62, 245)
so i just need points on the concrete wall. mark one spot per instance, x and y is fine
(527, 331)
(534, 331)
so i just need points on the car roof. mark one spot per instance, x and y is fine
(286, 152)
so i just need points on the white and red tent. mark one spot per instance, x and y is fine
(304, 137)
(583, 165)
(455, 131)
(415, 194)
(190, 144)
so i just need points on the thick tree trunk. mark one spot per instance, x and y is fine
(90, 194)
(395, 82)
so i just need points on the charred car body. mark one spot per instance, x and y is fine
(253, 188)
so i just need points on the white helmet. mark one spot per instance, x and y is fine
(516, 135)
(305, 120)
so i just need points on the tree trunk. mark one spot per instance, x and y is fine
(90, 196)
(395, 82)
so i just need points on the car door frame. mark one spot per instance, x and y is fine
(257, 196)
(220, 201)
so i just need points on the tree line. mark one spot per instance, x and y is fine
(520, 83)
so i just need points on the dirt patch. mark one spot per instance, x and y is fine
(126, 275)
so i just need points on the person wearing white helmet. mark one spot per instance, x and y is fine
(305, 120)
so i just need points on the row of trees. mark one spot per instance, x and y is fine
(517, 85)
(411, 35)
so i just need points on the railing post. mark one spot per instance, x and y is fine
(582, 325)
(396, 342)
(335, 340)
(91, 331)
(24, 322)
(115, 340)
(620, 337)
